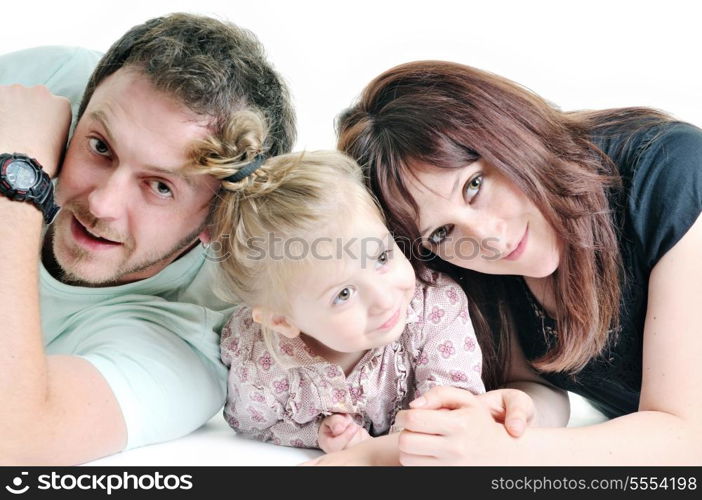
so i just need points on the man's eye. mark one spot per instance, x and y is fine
(161, 189)
(99, 146)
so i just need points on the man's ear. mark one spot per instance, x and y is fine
(205, 236)
(276, 322)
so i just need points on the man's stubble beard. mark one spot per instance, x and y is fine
(67, 272)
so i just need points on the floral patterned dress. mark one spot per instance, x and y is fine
(269, 402)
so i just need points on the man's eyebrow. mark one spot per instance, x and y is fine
(189, 179)
(100, 116)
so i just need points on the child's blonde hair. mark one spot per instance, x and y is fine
(294, 196)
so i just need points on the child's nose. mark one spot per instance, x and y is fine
(381, 299)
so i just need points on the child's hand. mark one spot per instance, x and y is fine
(339, 431)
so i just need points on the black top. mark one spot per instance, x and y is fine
(661, 169)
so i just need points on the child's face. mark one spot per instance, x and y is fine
(359, 301)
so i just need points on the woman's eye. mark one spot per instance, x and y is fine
(344, 295)
(161, 189)
(473, 186)
(99, 146)
(438, 236)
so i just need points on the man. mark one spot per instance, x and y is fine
(125, 351)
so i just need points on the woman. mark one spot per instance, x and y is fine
(577, 237)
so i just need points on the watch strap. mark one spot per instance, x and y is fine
(41, 194)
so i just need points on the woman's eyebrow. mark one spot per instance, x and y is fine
(456, 184)
(425, 230)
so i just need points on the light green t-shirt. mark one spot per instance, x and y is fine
(65, 71)
(155, 341)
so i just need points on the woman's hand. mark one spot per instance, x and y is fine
(511, 407)
(450, 426)
(338, 432)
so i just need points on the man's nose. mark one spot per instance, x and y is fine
(108, 199)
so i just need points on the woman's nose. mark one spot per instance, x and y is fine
(486, 230)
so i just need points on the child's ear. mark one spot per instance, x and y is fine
(276, 322)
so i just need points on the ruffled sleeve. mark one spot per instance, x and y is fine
(444, 344)
(262, 399)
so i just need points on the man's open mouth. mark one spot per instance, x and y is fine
(88, 237)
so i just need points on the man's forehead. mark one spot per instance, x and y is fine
(130, 85)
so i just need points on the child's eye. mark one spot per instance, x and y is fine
(384, 257)
(344, 295)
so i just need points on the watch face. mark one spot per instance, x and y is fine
(21, 175)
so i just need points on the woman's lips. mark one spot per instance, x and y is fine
(517, 252)
(89, 240)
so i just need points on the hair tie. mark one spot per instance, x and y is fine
(246, 170)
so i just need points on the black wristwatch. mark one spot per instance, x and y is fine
(23, 179)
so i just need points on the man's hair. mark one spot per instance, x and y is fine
(215, 69)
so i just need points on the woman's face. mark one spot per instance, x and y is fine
(476, 218)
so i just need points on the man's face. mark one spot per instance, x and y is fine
(128, 209)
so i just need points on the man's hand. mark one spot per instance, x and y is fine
(339, 431)
(34, 122)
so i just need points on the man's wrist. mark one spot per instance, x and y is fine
(47, 159)
(23, 179)
(18, 215)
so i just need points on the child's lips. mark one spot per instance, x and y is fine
(391, 322)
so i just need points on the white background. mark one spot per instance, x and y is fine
(578, 55)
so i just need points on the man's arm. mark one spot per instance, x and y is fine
(68, 416)
(59, 409)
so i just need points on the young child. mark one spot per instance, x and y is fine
(335, 335)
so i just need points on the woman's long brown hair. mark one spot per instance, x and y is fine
(448, 115)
